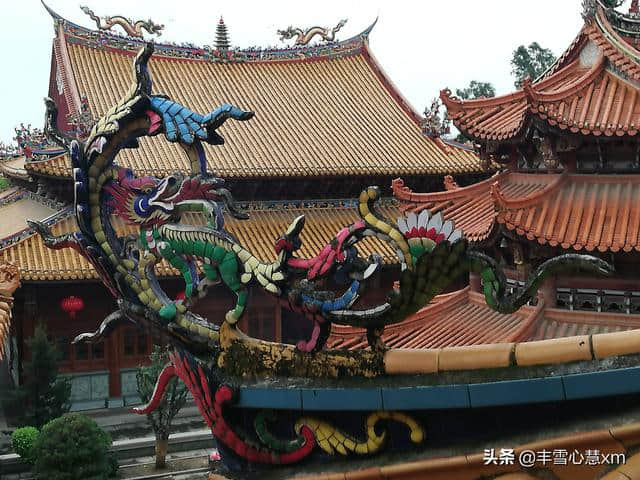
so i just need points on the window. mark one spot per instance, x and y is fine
(82, 351)
(135, 343)
(142, 344)
(97, 351)
(63, 346)
(129, 343)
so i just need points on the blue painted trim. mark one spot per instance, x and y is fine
(516, 392)
(475, 395)
(280, 398)
(416, 398)
(598, 384)
(341, 399)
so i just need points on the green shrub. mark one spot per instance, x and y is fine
(23, 441)
(4, 183)
(72, 447)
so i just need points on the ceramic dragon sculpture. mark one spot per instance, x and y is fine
(432, 254)
(133, 29)
(303, 37)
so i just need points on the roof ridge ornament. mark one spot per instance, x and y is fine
(303, 37)
(131, 28)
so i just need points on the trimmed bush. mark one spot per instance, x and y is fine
(23, 441)
(72, 447)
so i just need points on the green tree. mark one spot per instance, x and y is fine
(73, 447)
(23, 441)
(476, 90)
(530, 62)
(43, 396)
(174, 399)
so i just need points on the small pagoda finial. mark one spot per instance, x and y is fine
(634, 9)
(222, 36)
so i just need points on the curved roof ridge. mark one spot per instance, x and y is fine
(609, 33)
(452, 101)
(246, 54)
(402, 192)
(577, 85)
(568, 54)
(388, 83)
(522, 202)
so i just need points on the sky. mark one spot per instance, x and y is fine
(423, 46)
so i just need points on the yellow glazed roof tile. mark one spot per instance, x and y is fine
(320, 116)
(258, 235)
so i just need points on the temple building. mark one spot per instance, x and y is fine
(328, 122)
(568, 183)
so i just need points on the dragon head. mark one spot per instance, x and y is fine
(286, 34)
(155, 28)
(150, 201)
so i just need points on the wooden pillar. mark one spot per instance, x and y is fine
(112, 350)
(547, 292)
(474, 282)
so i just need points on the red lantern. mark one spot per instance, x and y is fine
(72, 305)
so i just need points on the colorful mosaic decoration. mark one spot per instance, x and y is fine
(432, 253)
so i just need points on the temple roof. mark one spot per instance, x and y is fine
(592, 89)
(327, 110)
(471, 208)
(14, 167)
(574, 211)
(18, 205)
(452, 319)
(462, 318)
(258, 234)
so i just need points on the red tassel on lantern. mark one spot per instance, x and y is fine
(72, 305)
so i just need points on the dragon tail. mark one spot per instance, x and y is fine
(494, 280)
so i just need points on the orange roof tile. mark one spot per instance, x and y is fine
(559, 323)
(591, 90)
(332, 111)
(58, 166)
(572, 210)
(258, 234)
(471, 208)
(452, 319)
